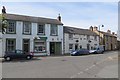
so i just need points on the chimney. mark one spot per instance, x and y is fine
(3, 10)
(108, 31)
(59, 18)
(113, 33)
(95, 28)
(91, 28)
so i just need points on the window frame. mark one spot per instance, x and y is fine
(30, 28)
(56, 31)
(14, 45)
(38, 40)
(43, 25)
(70, 36)
(70, 46)
(8, 27)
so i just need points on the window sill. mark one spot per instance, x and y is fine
(53, 35)
(40, 34)
(10, 33)
(26, 33)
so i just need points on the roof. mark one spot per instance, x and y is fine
(31, 19)
(107, 34)
(80, 31)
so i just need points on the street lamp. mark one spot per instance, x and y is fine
(99, 32)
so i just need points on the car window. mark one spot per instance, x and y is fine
(19, 52)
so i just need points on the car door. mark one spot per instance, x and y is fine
(19, 54)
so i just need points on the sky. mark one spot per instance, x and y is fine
(74, 14)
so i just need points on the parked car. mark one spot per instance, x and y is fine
(17, 54)
(98, 50)
(79, 52)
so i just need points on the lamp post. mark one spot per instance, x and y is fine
(99, 32)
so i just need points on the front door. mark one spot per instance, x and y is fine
(26, 45)
(55, 48)
(52, 48)
(88, 46)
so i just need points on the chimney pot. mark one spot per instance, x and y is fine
(59, 18)
(95, 28)
(91, 28)
(109, 31)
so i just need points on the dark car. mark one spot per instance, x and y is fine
(79, 52)
(17, 54)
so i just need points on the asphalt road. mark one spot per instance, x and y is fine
(86, 66)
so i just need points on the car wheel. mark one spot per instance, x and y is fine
(28, 57)
(8, 58)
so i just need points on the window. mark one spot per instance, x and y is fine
(80, 46)
(11, 27)
(26, 28)
(54, 30)
(39, 45)
(71, 36)
(41, 29)
(95, 38)
(88, 37)
(10, 44)
(70, 46)
(80, 38)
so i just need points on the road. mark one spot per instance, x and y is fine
(86, 66)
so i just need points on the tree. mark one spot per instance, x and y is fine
(3, 23)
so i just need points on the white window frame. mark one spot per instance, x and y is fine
(70, 36)
(11, 26)
(70, 46)
(54, 29)
(10, 46)
(38, 45)
(38, 29)
(26, 28)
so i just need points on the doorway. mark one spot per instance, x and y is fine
(55, 48)
(76, 46)
(26, 45)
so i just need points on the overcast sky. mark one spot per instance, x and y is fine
(76, 14)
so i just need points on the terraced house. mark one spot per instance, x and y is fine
(108, 39)
(43, 36)
(77, 38)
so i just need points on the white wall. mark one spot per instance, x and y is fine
(19, 36)
(1, 44)
(81, 42)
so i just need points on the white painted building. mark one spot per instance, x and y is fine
(1, 44)
(118, 34)
(43, 36)
(76, 38)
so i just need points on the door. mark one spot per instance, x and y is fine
(88, 46)
(76, 46)
(52, 48)
(26, 45)
(55, 48)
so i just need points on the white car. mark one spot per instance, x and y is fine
(98, 50)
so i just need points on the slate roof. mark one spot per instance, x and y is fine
(80, 31)
(31, 19)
